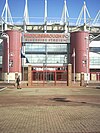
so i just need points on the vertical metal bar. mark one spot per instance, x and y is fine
(74, 64)
(6, 14)
(43, 76)
(46, 60)
(73, 55)
(45, 30)
(23, 49)
(87, 59)
(55, 76)
(8, 56)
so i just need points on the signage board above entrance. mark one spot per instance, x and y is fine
(45, 37)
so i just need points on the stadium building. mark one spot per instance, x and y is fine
(49, 46)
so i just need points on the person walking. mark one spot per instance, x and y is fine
(18, 82)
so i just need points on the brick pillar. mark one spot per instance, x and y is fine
(69, 75)
(29, 75)
(82, 79)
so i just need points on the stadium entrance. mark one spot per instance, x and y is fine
(49, 74)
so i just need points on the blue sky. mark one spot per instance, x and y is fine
(36, 7)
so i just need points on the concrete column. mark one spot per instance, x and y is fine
(69, 75)
(29, 75)
(82, 79)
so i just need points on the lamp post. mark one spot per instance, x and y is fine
(87, 58)
(73, 55)
(5, 36)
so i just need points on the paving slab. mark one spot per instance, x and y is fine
(50, 110)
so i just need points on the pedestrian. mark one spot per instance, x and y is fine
(18, 82)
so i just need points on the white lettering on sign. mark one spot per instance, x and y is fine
(55, 38)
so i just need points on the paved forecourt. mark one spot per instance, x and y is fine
(50, 110)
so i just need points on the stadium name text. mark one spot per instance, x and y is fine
(45, 37)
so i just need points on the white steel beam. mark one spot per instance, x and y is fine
(83, 16)
(65, 14)
(45, 13)
(97, 19)
(6, 15)
(45, 17)
(26, 16)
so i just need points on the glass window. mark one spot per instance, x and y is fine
(34, 47)
(0, 59)
(36, 58)
(95, 49)
(36, 53)
(57, 48)
(56, 59)
(94, 61)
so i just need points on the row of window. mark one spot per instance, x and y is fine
(53, 58)
(95, 49)
(40, 58)
(44, 47)
(94, 60)
(49, 58)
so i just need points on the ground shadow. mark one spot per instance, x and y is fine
(60, 99)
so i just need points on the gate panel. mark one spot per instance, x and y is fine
(49, 75)
(95, 76)
(98, 76)
(61, 76)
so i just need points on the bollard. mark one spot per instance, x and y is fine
(29, 75)
(69, 75)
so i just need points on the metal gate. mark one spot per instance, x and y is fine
(95, 76)
(49, 74)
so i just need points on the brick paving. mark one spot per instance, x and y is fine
(50, 110)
